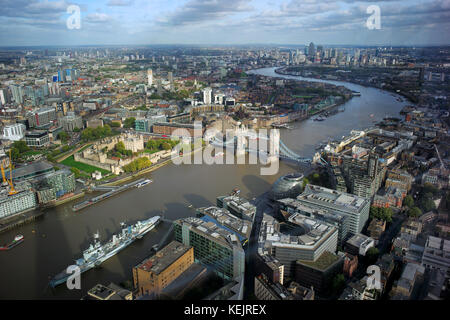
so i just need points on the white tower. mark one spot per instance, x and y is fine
(207, 95)
(149, 77)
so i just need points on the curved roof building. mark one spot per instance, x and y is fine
(288, 186)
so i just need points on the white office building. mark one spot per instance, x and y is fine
(207, 95)
(19, 202)
(14, 132)
(315, 238)
(219, 98)
(149, 77)
(354, 207)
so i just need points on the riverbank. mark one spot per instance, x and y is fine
(281, 71)
(21, 218)
(29, 215)
(147, 170)
(59, 202)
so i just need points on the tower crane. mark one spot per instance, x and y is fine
(5, 182)
(11, 189)
(439, 156)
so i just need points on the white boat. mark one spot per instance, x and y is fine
(143, 183)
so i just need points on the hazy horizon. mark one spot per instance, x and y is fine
(228, 22)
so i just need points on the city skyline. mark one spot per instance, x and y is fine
(236, 22)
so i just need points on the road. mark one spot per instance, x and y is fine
(386, 238)
(262, 207)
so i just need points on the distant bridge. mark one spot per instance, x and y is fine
(282, 151)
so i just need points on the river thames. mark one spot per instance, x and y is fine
(56, 240)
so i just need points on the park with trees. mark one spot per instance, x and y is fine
(90, 134)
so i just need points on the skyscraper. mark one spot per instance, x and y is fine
(149, 77)
(17, 93)
(4, 96)
(311, 50)
(170, 78)
(207, 95)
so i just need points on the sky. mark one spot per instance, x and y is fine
(215, 22)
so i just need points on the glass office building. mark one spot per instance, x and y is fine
(214, 246)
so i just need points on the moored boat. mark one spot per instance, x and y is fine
(17, 240)
(143, 183)
(97, 253)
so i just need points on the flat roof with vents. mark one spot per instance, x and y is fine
(332, 199)
(164, 258)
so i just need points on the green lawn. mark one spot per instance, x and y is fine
(150, 151)
(70, 161)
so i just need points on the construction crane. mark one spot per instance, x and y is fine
(11, 189)
(5, 182)
(440, 159)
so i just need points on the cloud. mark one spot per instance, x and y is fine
(32, 8)
(212, 21)
(197, 11)
(98, 17)
(120, 3)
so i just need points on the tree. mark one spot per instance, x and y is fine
(137, 164)
(75, 171)
(155, 96)
(120, 146)
(305, 182)
(63, 136)
(409, 201)
(381, 213)
(338, 283)
(414, 212)
(129, 122)
(429, 188)
(151, 144)
(372, 255)
(166, 146)
(21, 146)
(87, 134)
(65, 148)
(107, 131)
(15, 153)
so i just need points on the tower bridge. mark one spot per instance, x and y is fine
(248, 141)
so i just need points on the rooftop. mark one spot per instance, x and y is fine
(358, 239)
(333, 199)
(36, 133)
(34, 168)
(225, 218)
(240, 205)
(164, 258)
(324, 213)
(314, 233)
(110, 292)
(326, 260)
(211, 229)
(410, 271)
(438, 244)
